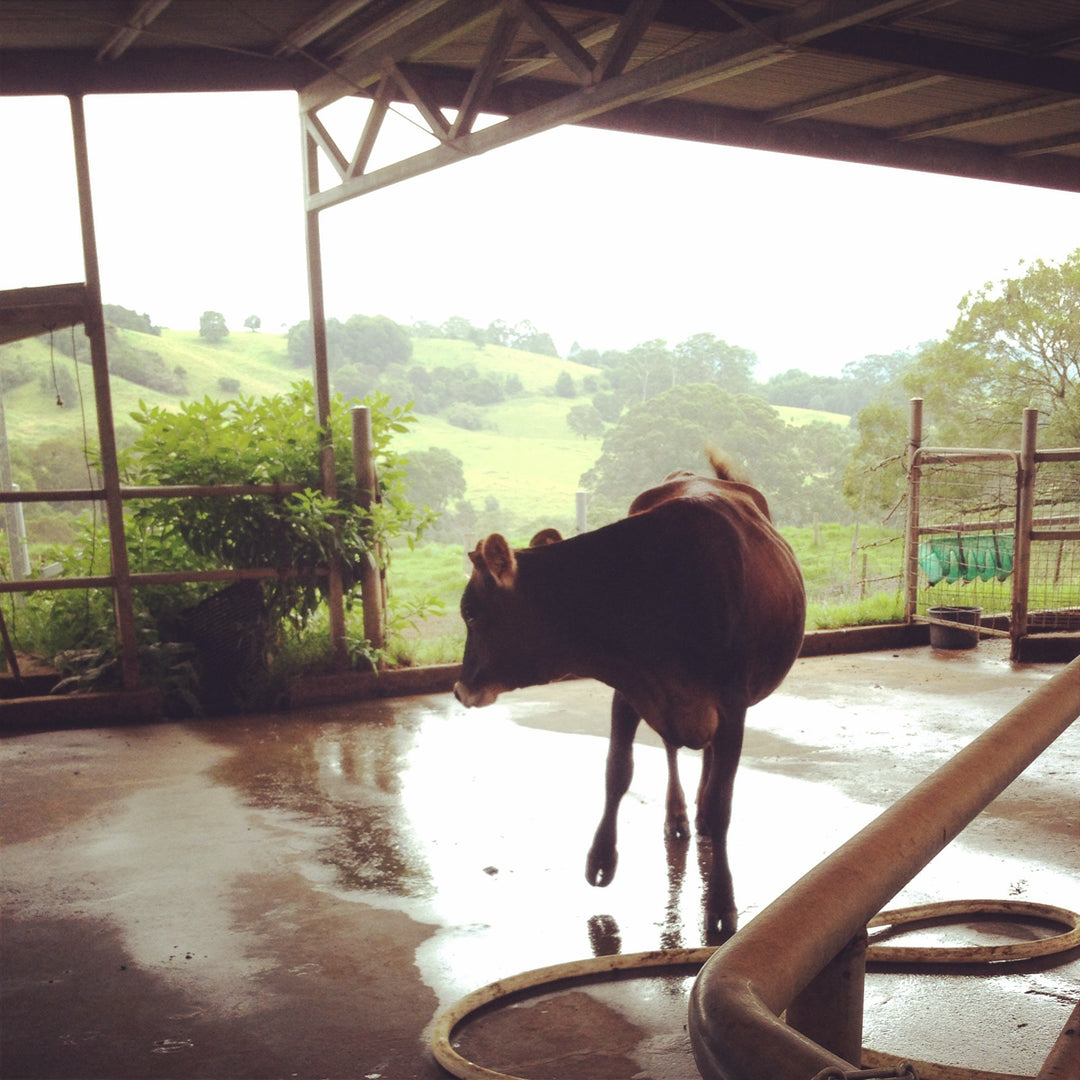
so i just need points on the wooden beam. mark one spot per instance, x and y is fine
(854, 95)
(628, 34)
(421, 101)
(333, 15)
(372, 127)
(144, 15)
(498, 46)
(315, 129)
(992, 114)
(562, 44)
(28, 312)
(410, 32)
(1066, 142)
(534, 60)
(718, 58)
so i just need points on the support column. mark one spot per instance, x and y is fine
(371, 580)
(1025, 511)
(321, 378)
(911, 527)
(94, 322)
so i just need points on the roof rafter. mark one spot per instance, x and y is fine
(855, 95)
(766, 42)
(143, 16)
(991, 114)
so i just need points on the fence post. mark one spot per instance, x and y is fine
(911, 528)
(1025, 510)
(371, 589)
(581, 506)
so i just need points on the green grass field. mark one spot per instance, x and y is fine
(526, 458)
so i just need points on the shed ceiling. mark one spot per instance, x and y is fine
(979, 88)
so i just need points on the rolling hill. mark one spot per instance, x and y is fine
(526, 457)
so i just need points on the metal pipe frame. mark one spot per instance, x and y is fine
(741, 991)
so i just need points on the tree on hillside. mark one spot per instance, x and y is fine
(670, 432)
(434, 478)
(1016, 343)
(876, 477)
(585, 421)
(125, 319)
(564, 385)
(253, 322)
(375, 340)
(212, 326)
(706, 358)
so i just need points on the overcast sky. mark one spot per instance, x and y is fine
(605, 239)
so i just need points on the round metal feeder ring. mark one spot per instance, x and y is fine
(590, 968)
(974, 954)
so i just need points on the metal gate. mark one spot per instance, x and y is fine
(995, 532)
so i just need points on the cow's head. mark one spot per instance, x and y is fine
(501, 647)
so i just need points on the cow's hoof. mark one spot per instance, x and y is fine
(600, 867)
(677, 828)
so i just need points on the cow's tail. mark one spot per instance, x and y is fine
(725, 466)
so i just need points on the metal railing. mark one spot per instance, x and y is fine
(802, 953)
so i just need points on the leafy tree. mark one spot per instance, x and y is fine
(259, 441)
(1016, 343)
(644, 371)
(253, 322)
(212, 326)
(375, 340)
(125, 319)
(585, 421)
(876, 477)
(705, 358)
(527, 338)
(564, 385)
(671, 431)
(463, 415)
(434, 478)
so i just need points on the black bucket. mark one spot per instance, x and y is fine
(955, 637)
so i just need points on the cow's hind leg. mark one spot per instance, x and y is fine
(714, 812)
(676, 823)
(600, 865)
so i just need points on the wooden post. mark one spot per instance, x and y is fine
(911, 527)
(94, 323)
(371, 584)
(1025, 510)
(321, 376)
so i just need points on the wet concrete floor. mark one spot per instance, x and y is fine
(297, 895)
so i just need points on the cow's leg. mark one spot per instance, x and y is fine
(715, 810)
(676, 823)
(701, 821)
(600, 865)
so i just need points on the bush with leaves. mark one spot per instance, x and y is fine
(266, 441)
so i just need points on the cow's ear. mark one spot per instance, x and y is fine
(545, 537)
(499, 560)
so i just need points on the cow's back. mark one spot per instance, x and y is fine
(692, 602)
(742, 568)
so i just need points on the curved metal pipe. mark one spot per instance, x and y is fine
(737, 999)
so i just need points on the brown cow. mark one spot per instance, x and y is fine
(691, 608)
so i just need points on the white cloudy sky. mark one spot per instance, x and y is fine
(600, 238)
